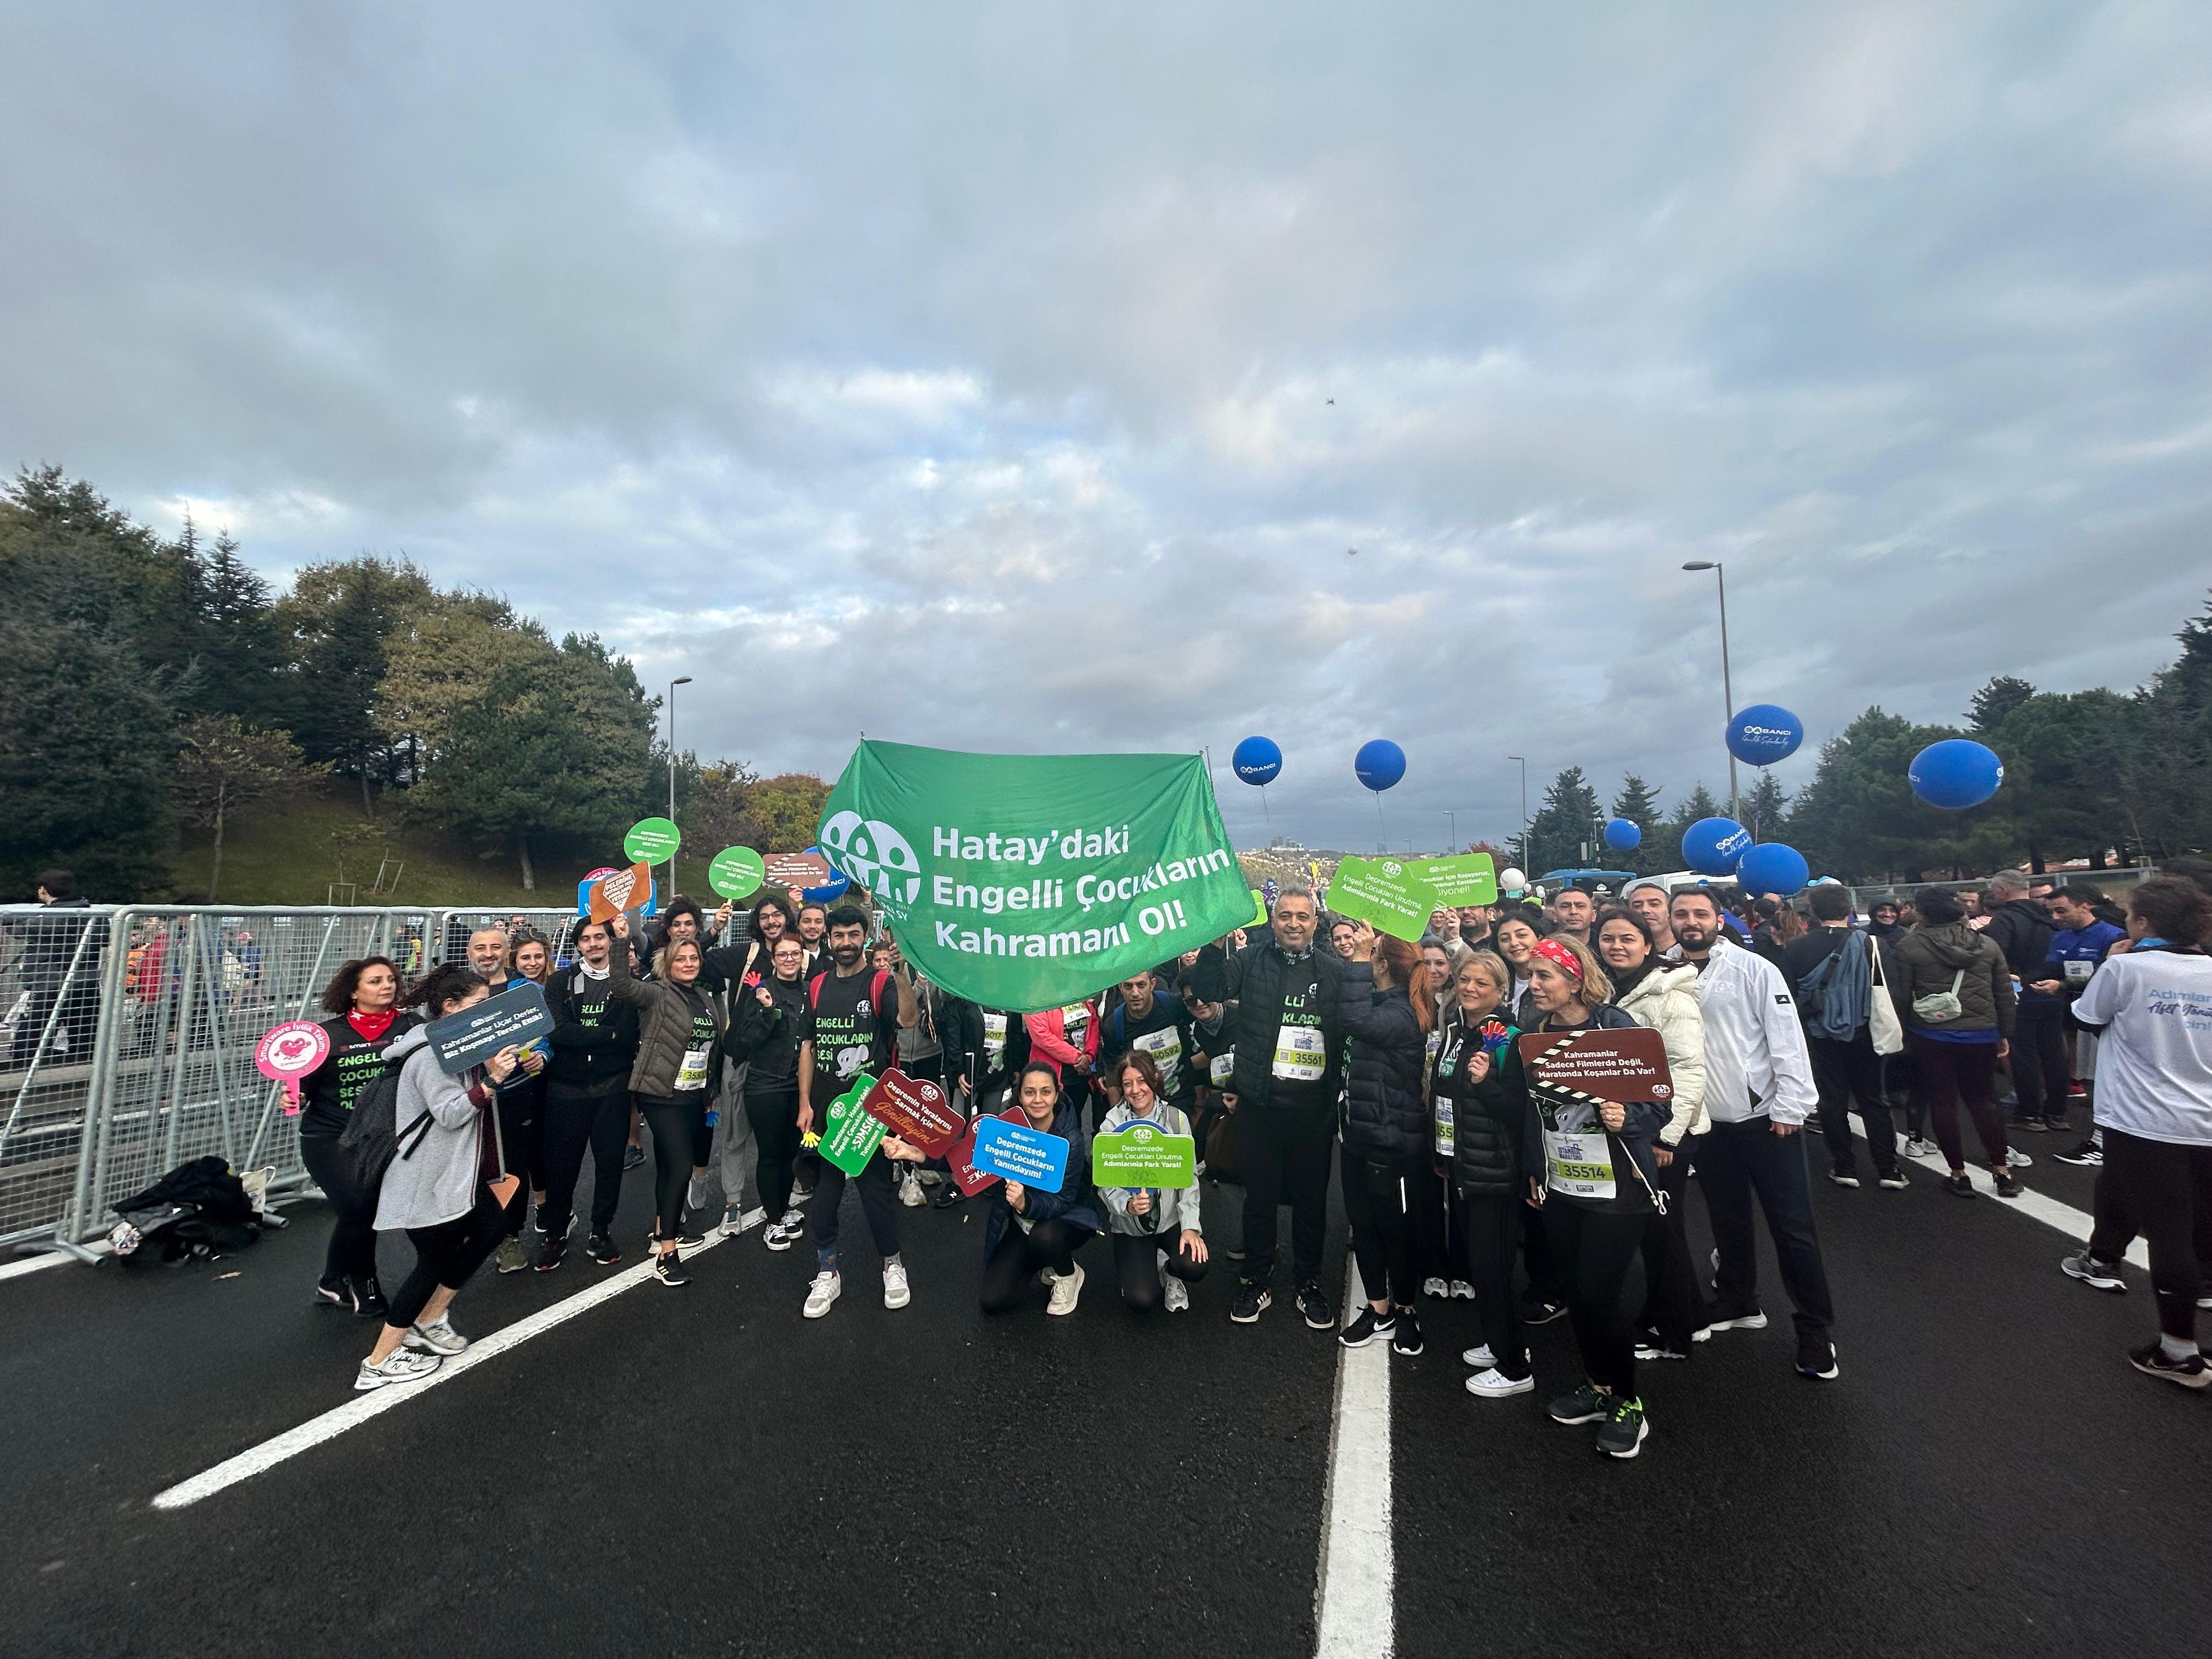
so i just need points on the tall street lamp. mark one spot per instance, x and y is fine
(1728, 685)
(1524, 811)
(681, 679)
(1452, 818)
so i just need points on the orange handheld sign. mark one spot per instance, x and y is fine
(619, 890)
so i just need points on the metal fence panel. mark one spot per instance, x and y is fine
(51, 961)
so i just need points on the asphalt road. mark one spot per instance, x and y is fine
(702, 1472)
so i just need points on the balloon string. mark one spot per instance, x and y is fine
(1385, 828)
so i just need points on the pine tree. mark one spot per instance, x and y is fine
(1765, 809)
(2003, 694)
(1638, 802)
(1566, 823)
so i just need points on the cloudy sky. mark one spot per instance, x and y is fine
(1021, 377)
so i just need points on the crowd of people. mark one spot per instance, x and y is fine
(1305, 1045)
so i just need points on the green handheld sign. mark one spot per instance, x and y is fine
(1384, 893)
(736, 873)
(1467, 878)
(1259, 909)
(849, 1135)
(651, 841)
(1144, 1155)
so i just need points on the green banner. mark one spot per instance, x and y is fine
(1465, 878)
(1384, 893)
(849, 1135)
(736, 873)
(651, 841)
(1144, 1155)
(1027, 881)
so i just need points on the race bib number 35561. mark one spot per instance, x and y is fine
(1299, 1056)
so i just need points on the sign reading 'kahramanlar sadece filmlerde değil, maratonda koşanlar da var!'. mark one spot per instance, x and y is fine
(1026, 882)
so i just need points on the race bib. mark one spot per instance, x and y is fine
(2078, 971)
(1073, 1023)
(692, 1072)
(1578, 1163)
(995, 1040)
(1299, 1056)
(1221, 1068)
(1442, 1108)
(1166, 1049)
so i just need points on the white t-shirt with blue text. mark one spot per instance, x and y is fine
(2155, 1054)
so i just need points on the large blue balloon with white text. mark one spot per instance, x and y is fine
(832, 889)
(1257, 760)
(1379, 764)
(1764, 733)
(1623, 836)
(1956, 774)
(1772, 867)
(1712, 847)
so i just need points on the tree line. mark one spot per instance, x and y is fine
(2108, 776)
(149, 685)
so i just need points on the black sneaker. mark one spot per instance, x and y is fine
(2008, 1186)
(1723, 1318)
(1406, 1334)
(369, 1298)
(1844, 1176)
(2033, 1125)
(336, 1291)
(668, 1268)
(1891, 1178)
(1650, 1345)
(1252, 1301)
(2152, 1360)
(1537, 1312)
(632, 1157)
(1585, 1405)
(1816, 1358)
(1958, 1186)
(1622, 1434)
(2057, 1125)
(603, 1249)
(2097, 1275)
(1366, 1328)
(1319, 1313)
(550, 1252)
(949, 1195)
(2088, 1153)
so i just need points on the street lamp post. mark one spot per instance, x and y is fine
(1728, 685)
(681, 679)
(1452, 818)
(1524, 811)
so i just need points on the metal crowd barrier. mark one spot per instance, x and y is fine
(127, 1036)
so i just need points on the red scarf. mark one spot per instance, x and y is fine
(372, 1027)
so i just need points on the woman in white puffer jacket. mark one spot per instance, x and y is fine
(1665, 998)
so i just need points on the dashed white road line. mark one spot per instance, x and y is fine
(1354, 1600)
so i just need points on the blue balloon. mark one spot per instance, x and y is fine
(1956, 774)
(1622, 835)
(832, 889)
(1770, 868)
(1712, 847)
(1257, 760)
(1379, 764)
(1764, 733)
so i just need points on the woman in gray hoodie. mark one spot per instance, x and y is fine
(436, 1189)
(1159, 1242)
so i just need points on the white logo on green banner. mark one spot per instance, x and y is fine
(736, 873)
(1383, 893)
(1028, 882)
(1465, 878)
(1144, 1155)
(651, 841)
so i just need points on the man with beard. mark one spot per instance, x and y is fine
(853, 1019)
(1758, 1092)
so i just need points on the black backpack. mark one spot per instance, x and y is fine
(371, 1139)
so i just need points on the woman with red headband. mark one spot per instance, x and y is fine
(1591, 1172)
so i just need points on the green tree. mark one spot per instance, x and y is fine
(1995, 700)
(789, 808)
(718, 810)
(1765, 807)
(1859, 818)
(334, 626)
(1698, 804)
(223, 766)
(1568, 821)
(1638, 802)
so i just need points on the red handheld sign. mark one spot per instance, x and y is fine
(972, 1179)
(916, 1111)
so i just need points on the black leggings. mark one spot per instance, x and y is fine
(1943, 1074)
(352, 1252)
(1490, 1235)
(1594, 1248)
(2165, 1189)
(773, 1114)
(1375, 1202)
(1011, 1268)
(445, 1256)
(2039, 1065)
(574, 1122)
(681, 1142)
(522, 1149)
(1136, 1264)
(1672, 1304)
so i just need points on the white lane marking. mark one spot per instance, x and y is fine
(31, 1264)
(2076, 1223)
(257, 1460)
(1355, 1597)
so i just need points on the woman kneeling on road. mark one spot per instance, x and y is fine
(436, 1186)
(1590, 1170)
(1033, 1233)
(1159, 1245)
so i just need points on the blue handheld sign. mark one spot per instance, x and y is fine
(1017, 1152)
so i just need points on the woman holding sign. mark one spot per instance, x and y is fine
(1591, 1171)
(435, 1188)
(1031, 1232)
(363, 1000)
(1159, 1240)
(679, 1055)
(768, 1023)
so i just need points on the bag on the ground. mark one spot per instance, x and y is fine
(1939, 1007)
(371, 1139)
(200, 1208)
(1836, 995)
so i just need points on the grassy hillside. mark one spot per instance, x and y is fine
(285, 856)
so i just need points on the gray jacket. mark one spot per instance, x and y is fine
(1174, 1210)
(664, 1028)
(437, 1182)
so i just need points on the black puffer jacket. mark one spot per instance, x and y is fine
(1261, 979)
(1486, 1121)
(1386, 1117)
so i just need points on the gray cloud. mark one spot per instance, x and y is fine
(970, 384)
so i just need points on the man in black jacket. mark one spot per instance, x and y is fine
(594, 1041)
(2023, 930)
(1289, 1043)
(1843, 1066)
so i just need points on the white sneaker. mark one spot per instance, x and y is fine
(794, 1216)
(930, 1178)
(1462, 1291)
(694, 1195)
(439, 1336)
(1178, 1295)
(822, 1293)
(910, 1192)
(1919, 1146)
(2017, 1160)
(780, 1237)
(402, 1364)
(1065, 1292)
(896, 1293)
(1435, 1287)
(1496, 1385)
(1481, 1359)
